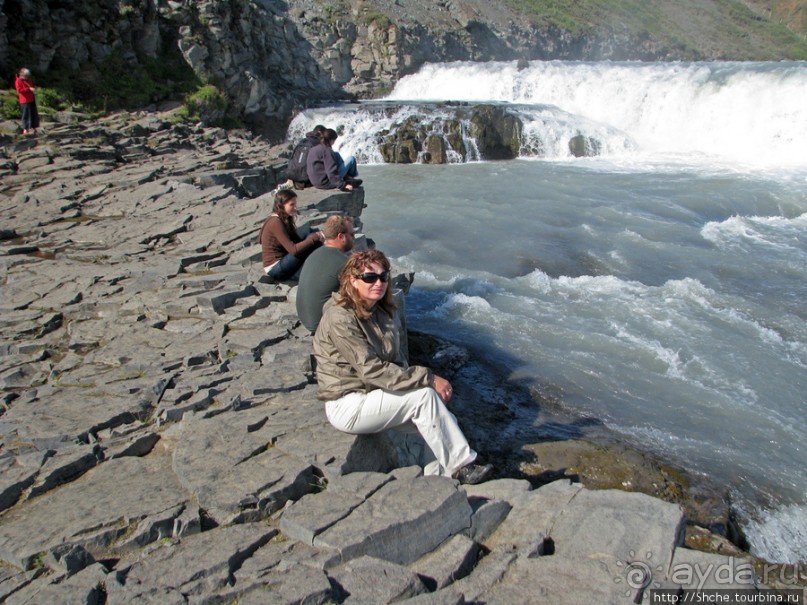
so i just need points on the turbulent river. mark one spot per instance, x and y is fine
(659, 287)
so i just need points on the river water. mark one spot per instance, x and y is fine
(659, 287)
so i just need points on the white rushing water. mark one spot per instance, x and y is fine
(659, 287)
(739, 111)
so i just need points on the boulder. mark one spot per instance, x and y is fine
(497, 132)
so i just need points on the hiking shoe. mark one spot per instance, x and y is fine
(289, 184)
(473, 474)
(355, 182)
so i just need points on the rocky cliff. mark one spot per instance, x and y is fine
(272, 58)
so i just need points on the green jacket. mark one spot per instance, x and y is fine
(361, 356)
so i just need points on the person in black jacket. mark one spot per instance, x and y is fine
(297, 170)
(327, 169)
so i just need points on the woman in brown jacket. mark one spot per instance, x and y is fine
(366, 383)
(283, 248)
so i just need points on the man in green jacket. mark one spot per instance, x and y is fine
(319, 277)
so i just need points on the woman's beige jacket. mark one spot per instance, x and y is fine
(360, 356)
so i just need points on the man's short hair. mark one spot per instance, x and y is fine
(335, 225)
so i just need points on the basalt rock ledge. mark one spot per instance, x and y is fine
(160, 439)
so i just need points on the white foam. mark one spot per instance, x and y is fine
(780, 535)
(750, 112)
(471, 307)
(776, 232)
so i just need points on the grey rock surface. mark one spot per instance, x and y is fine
(427, 510)
(122, 501)
(358, 580)
(160, 436)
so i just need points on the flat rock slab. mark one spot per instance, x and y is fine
(282, 571)
(533, 512)
(282, 585)
(563, 531)
(83, 587)
(230, 463)
(17, 473)
(359, 581)
(452, 560)
(314, 513)
(694, 570)
(195, 565)
(401, 521)
(72, 412)
(118, 498)
(556, 580)
(604, 523)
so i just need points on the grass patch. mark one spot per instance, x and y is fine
(113, 84)
(650, 19)
(48, 101)
(574, 17)
(210, 106)
(334, 10)
(38, 561)
(583, 16)
(116, 84)
(776, 37)
(9, 106)
(371, 16)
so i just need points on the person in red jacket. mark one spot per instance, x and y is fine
(27, 97)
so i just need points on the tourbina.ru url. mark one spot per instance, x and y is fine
(728, 596)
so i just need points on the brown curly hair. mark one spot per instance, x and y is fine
(355, 266)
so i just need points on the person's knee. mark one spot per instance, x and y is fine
(427, 392)
(427, 398)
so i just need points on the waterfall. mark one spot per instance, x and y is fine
(744, 112)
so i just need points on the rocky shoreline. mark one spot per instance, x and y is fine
(161, 439)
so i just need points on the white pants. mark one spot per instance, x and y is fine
(376, 411)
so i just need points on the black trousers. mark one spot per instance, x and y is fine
(30, 116)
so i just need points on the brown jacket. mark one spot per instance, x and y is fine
(360, 356)
(276, 242)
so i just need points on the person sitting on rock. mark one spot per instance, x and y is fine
(326, 168)
(319, 277)
(297, 168)
(284, 248)
(366, 384)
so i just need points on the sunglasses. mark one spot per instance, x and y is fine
(371, 278)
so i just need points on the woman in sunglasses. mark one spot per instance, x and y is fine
(366, 383)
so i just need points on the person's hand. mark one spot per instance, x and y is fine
(443, 388)
(349, 187)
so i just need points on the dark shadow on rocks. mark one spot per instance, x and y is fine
(371, 453)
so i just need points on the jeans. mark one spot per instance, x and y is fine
(346, 167)
(289, 266)
(378, 410)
